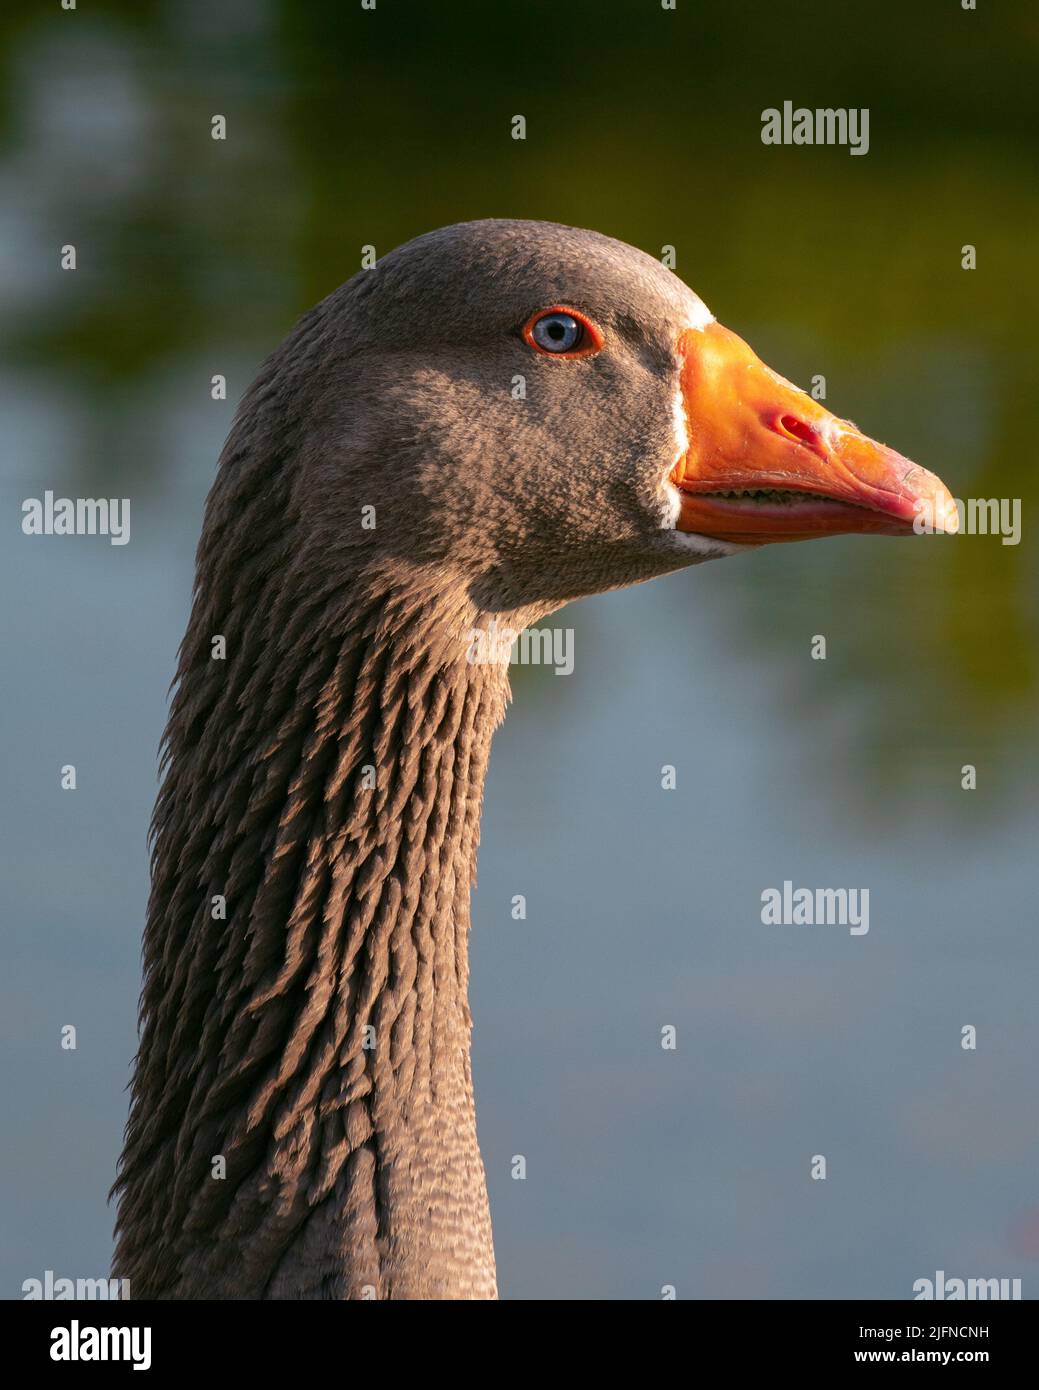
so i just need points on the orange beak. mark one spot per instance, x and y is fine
(767, 463)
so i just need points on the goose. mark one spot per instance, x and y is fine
(501, 417)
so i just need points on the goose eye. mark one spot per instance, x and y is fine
(562, 332)
(557, 332)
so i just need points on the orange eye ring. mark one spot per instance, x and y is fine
(590, 342)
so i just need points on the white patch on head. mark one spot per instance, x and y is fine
(704, 546)
(672, 497)
(678, 421)
(701, 316)
(672, 505)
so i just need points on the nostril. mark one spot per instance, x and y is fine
(797, 429)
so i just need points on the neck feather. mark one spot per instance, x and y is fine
(302, 1122)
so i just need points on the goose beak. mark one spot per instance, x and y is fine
(767, 463)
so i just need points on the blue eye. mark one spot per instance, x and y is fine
(557, 332)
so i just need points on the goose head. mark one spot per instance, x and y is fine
(548, 412)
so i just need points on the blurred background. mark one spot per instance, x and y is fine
(345, 127)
